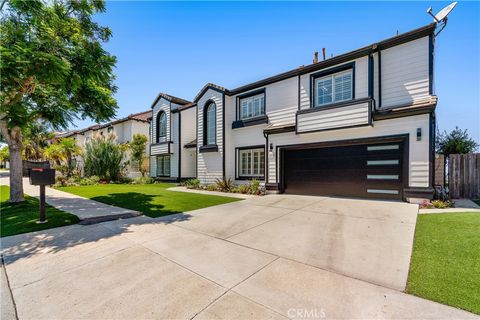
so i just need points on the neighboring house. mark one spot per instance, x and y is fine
(123, 129)
(173, 144)
(360, 124)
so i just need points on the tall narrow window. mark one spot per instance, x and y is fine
(210, 124)
(161, 126)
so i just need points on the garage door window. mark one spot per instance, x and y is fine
(251, 163)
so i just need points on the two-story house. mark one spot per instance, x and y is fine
(172, 138)
(123, 129)
(360, 124)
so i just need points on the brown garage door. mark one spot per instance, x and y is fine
(371, 170)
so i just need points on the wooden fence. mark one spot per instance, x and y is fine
(464, 175)
(439, 170)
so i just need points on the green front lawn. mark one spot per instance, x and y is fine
(154, 200)
(23, 217)
(445, 264)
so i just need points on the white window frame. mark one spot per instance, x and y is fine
(252, 106)
(332, 78)
(254, 164)
(161, 168)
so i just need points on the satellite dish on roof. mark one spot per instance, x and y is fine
(441, 16)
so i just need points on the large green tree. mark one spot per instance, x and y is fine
(456, 142)
(53, 68)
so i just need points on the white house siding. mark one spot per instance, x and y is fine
(210, 164)
(281, 101)
(188, 133)
(242, 137)
(361, 81)
(418, 150)
(352, 115)
(158, 149)
(405, 73)
(174, 145)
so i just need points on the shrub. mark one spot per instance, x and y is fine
(255, 187)
(143, 180)
(439, 204)
(137, 152)
(225, 185)
(211, 187)
(243, 188)
(103, 158)
(191, 183)
(436, 204)
(63, 181)
(89, 181)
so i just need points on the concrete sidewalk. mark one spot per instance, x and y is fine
(89, 211)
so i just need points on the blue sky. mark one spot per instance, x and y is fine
(177, 47)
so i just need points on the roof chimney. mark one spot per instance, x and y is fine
(315, 57)
(323, 52)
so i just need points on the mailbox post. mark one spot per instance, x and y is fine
(42, 177)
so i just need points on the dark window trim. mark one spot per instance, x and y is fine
(327, 72)
(179, 170)
(431, 47)
(379, 79)
(392, 114)
(237, 167)
(290, 128)
(205, 129)
(208, 148)
(157, 126)
(250, 122)
(160, 143)
(247, 95)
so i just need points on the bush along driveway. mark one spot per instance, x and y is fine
(154, 200)
(445, 264)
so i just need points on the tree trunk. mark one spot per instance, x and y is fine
(16, 176)
(14, 139)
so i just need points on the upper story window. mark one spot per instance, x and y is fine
(210, 126)
(336, 87)
(253, 106)
(110, 129)
(161, 125)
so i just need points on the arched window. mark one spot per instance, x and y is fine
(161, 126)
(210, 124)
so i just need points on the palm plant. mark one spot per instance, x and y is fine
(61, 152)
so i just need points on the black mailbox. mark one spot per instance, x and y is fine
(42, 177)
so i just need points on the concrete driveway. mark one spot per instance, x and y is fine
(272, 257)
